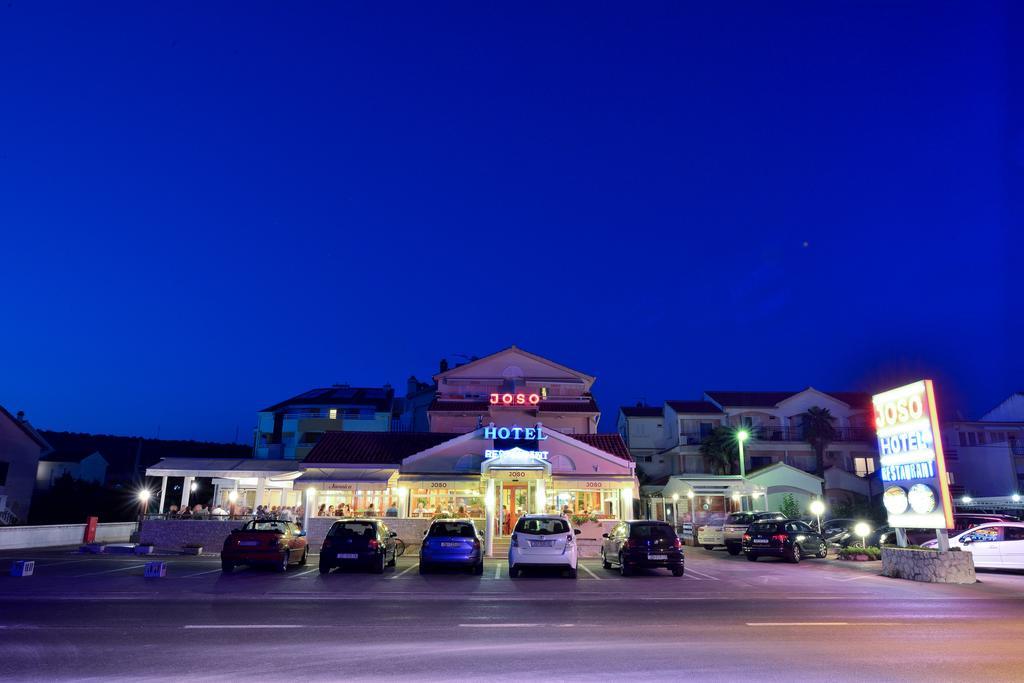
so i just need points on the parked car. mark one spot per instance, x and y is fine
(641, 545)
(710, 534)
(962, 521)
(543, 541)
(876, 537)
(998, 545)
(737, 524)
(833, 530)
(358, 542)
(789, 539)
(273, 542)
(453, 543)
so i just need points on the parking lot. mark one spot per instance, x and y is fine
(100, 613)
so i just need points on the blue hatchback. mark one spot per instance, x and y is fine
(452, 543)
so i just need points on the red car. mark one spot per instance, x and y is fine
(272, 541)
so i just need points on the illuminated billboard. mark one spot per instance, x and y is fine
(913, 467)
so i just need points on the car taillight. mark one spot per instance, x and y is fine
(677, 543)
(631, 543)
(781, 538)
(327, 543)
(569, 539)
(515, 541)
(746, 537)
(372, 544)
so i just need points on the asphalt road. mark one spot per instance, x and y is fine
(98, 618)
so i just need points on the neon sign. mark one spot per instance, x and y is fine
(492, 453)
(517, 433)
(912, 462)
(515, 399)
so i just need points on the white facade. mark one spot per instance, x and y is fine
(985, 457)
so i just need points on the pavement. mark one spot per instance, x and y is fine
(95, 617)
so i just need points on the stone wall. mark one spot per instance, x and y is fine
(173, 534)
(928, 565)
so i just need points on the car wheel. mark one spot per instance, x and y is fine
(794, 554)
(227, 566)
(823, 551)
(378, 566)
(708, 547)
(423, 568)
(752, 557)
(394, 559)
(478, 569)
(623, 569)
(604, 561)
(733, 549)
(305, 556)
(283, 567)
(513, 572)
(325, 568)
(677, 571)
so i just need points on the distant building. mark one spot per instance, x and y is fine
(670, 445)
(985, 457)
(83, 466)
(21, 446)
(288, 430)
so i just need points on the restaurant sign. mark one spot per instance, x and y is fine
(913, 467)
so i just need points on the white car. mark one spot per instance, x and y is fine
(997, 545)
(710, 533)
(543, 541)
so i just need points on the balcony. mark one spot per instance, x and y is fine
(782, 434)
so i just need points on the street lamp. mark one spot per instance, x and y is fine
(967, 500)
(1015, 498)
(862, 530)
(194, 487)
(675, 509)
(741, 436)
(818, 509)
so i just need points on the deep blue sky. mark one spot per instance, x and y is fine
(208, 207)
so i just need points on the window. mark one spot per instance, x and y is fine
(862, 467)
(652, 531)
(981, 438)
(705, 429)
(1013, 533)
(350, 529)
(460, 529)
(972, 439)
(963, 438)
(4, 467)
(984, 534)
(542, 527)
(332, 413)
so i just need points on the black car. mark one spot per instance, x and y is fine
(835, 530)
(789, 539)
(641, 545)
(358, 542)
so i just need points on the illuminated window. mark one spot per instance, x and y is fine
(862, 467)
(333, 413)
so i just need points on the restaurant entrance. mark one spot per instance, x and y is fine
(514, 504)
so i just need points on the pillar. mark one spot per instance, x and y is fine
(163, 494)
(540, 498)
(489, 524)
(186, 491)
(626, 504)
(307, 510)
(261, 487)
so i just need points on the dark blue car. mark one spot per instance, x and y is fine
(452, 543)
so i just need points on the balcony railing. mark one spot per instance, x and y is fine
(326, 415)
(769, 434)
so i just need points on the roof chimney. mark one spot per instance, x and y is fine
(444, 365)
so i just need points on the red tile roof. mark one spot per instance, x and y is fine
(373, 448)
(641, 411)
(587, 406)
(609, 443)
(693, 407)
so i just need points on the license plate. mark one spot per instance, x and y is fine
(760, 540)
(451, 545)
(248, 543)
(540, 544)
(348, 556)
(657, 557)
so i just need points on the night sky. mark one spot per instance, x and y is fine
(209, 207)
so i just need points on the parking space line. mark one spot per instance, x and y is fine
(109, 571)
(245, 626)
(57, 564)
(308, 571)
(702, 574)
(405, 571)
(587, 570)
(497, 570)
(209, 571)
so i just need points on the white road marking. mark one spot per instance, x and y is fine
(587, 570)
(405, 571)
(703, 575)
(823, 623)
(497, 571)
(514, 625)
(108, 571)
(852, 578)
(308, 571)
(245, 626)
(57, 564)
(211, 571)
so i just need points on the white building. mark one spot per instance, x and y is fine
(21, 446)
(985, 457)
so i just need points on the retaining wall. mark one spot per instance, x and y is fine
(50, 535)
(928, 565)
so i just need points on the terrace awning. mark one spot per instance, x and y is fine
(226, 468)
(346, 479)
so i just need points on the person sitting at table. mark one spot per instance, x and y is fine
(461, 512)
(420, 510)
(392, 510)
(322, 510)
(330, 511)
(370, 512)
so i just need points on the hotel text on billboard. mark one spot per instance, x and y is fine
(913, 467)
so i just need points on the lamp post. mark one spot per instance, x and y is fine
(675, 509)
(693, 516)
(1015, 498)
(741, 436)
(862, 530)
(818, 509)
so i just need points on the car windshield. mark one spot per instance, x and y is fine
(256, 525)
(740, 518)
(764, 527)
(353, 529)
(546, 526)
(651, 531)
(464, 529)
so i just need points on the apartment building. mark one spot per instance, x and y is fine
(985, 457)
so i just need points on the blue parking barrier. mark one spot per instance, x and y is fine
(155, 570)
(23, 567)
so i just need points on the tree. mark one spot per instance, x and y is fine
(789, 506)
(819, 432)
(721, 449)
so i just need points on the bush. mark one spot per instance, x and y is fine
(852, 551)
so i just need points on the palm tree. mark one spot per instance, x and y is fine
(819, 432)
(720, 449)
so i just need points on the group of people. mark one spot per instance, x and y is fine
(283, 512)
(457, 513)
(346, 510)
(197, 512)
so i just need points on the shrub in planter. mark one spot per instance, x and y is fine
(859, 553)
